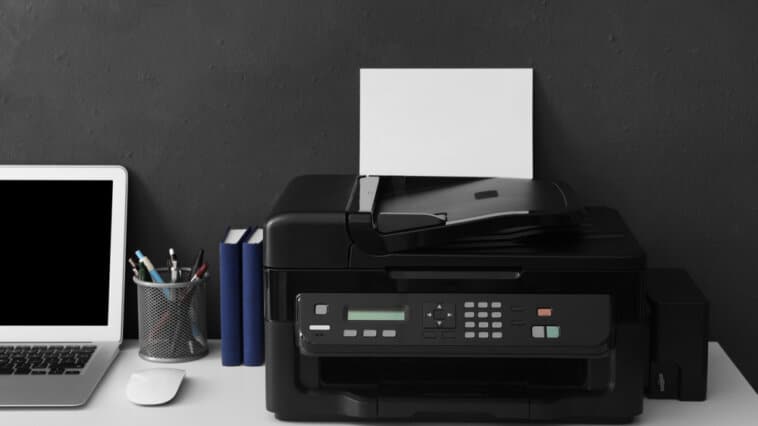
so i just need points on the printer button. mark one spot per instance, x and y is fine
(484, 324)
(496, 305)
(389, 333)
(553, 331)
(319, 327)
(429, 307)
(349, 333)
(468, 314)
(469, 324)
(369, 333)
(481, 314)
(497, 324)
(497, 335)
(468, 304)
(496, 314)
(321, 309)
(482, 305)
(544, 312)
(469, 335)
(538, 331)
(484, 335)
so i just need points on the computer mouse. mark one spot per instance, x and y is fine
(154, 386)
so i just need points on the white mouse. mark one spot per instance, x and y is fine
(154, 386)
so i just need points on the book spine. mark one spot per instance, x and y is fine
(252, 304)
(230, 285)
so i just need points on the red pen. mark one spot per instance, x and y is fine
(200, 272)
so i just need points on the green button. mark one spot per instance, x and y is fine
(553, 331)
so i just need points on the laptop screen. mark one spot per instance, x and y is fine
(55, 252)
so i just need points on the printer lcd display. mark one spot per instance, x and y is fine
(393, 314)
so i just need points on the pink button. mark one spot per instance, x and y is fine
(544, 312)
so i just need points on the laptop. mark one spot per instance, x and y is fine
(62, 278)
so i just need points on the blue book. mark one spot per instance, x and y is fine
(230, 286)
(252, 299)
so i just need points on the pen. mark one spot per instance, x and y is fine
(133, 265)
(195, 330)
(151, 270)
(143, 275)
(198, 262)
(174, 265)
(199, 273)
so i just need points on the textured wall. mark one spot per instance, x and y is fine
(648, 106)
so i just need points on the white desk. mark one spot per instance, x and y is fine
(219, 396)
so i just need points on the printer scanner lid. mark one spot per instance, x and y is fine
(391, 214)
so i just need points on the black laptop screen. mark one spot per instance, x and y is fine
(54, 252)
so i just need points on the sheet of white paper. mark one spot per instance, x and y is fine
(446, 122)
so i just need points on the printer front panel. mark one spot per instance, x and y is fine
(454, 324)
(375, 376)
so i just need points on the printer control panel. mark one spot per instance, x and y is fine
(428, 324)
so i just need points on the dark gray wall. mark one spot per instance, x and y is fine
(648, 106)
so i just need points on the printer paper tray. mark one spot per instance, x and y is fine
(463, 376)
(465, 389)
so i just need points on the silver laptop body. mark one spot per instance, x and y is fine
(57, 390)
(61, 316)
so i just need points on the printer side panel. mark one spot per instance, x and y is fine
(306, 228)
(679, 336)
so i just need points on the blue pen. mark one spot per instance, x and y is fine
(151, 270)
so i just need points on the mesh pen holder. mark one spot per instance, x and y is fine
(172, 318)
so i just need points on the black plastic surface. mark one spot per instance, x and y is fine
(314, 388)
(314, 250)
(306, 228)
(410, 213)
(679, 336)
(306, 389)
(602, 241)
(309, 229)
(466, 200)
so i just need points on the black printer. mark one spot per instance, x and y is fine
(462, 299)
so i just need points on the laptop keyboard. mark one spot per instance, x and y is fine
(44, 360)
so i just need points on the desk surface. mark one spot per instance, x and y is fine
(214, 395)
